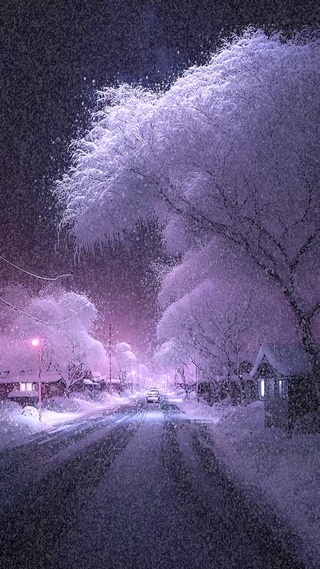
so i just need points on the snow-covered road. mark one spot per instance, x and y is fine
(137, 488)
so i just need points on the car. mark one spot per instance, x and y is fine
(153, 396)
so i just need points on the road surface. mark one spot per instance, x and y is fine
(136, 488)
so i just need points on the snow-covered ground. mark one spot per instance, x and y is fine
(17, 424)
(284, 472)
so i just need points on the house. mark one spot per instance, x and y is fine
(115, 385)
(8, 383)
(23, 387)
(283, 375)
(96, 381)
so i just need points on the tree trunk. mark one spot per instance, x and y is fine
(310, 347)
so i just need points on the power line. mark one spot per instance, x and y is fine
(43, 322)
(33, 274)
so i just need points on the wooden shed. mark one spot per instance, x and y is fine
(283, 376)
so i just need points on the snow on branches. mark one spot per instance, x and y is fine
(228, 155)
(62, 322)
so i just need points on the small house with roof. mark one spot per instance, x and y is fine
(284, 384)
(95, 381)
(23, 387)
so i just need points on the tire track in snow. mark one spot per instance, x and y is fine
(31, 532)
(228, 521)
(252, 519)
(16, 461)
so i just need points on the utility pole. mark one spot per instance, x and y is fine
(110, 346)
(37, 343)
(39, 384)
(197, 382)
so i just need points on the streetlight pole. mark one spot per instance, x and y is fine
(110, 350)
(36, 343)
(133, 373)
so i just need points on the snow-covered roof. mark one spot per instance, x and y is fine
(8, 379)
(286, 360)
(245, 376)
(98, 376)
(31, 377)
(19, 393)
(123, 347)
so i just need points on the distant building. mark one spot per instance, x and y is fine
(284, 384)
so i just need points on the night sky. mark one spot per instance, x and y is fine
(54, 54)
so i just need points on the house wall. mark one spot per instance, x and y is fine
(56, 388)
(5, 389)
(302, 399)
(24, 401)
(288, 399)
(53, 389)
(276, 404)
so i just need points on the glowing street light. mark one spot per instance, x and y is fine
(36, 343)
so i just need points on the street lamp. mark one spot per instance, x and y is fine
(133, 373)
(37, 344)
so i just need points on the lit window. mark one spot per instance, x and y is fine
(26, 386)
(262, 388)
(283, 388)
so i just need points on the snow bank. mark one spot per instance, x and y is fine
(196, 409)
(282, 471)
(286, 470)
(18, 424)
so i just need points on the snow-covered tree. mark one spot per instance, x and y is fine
(143, 373)
(173, 357)
(62, 323)
(101, 167)
(13, 298)
(212, 335)
(126, 361)
(211, 319)
(228, 156)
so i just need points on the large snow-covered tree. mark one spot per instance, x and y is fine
(229, 155)
(62, 322)
(215, 326)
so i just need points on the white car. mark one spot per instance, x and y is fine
(153, 396)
